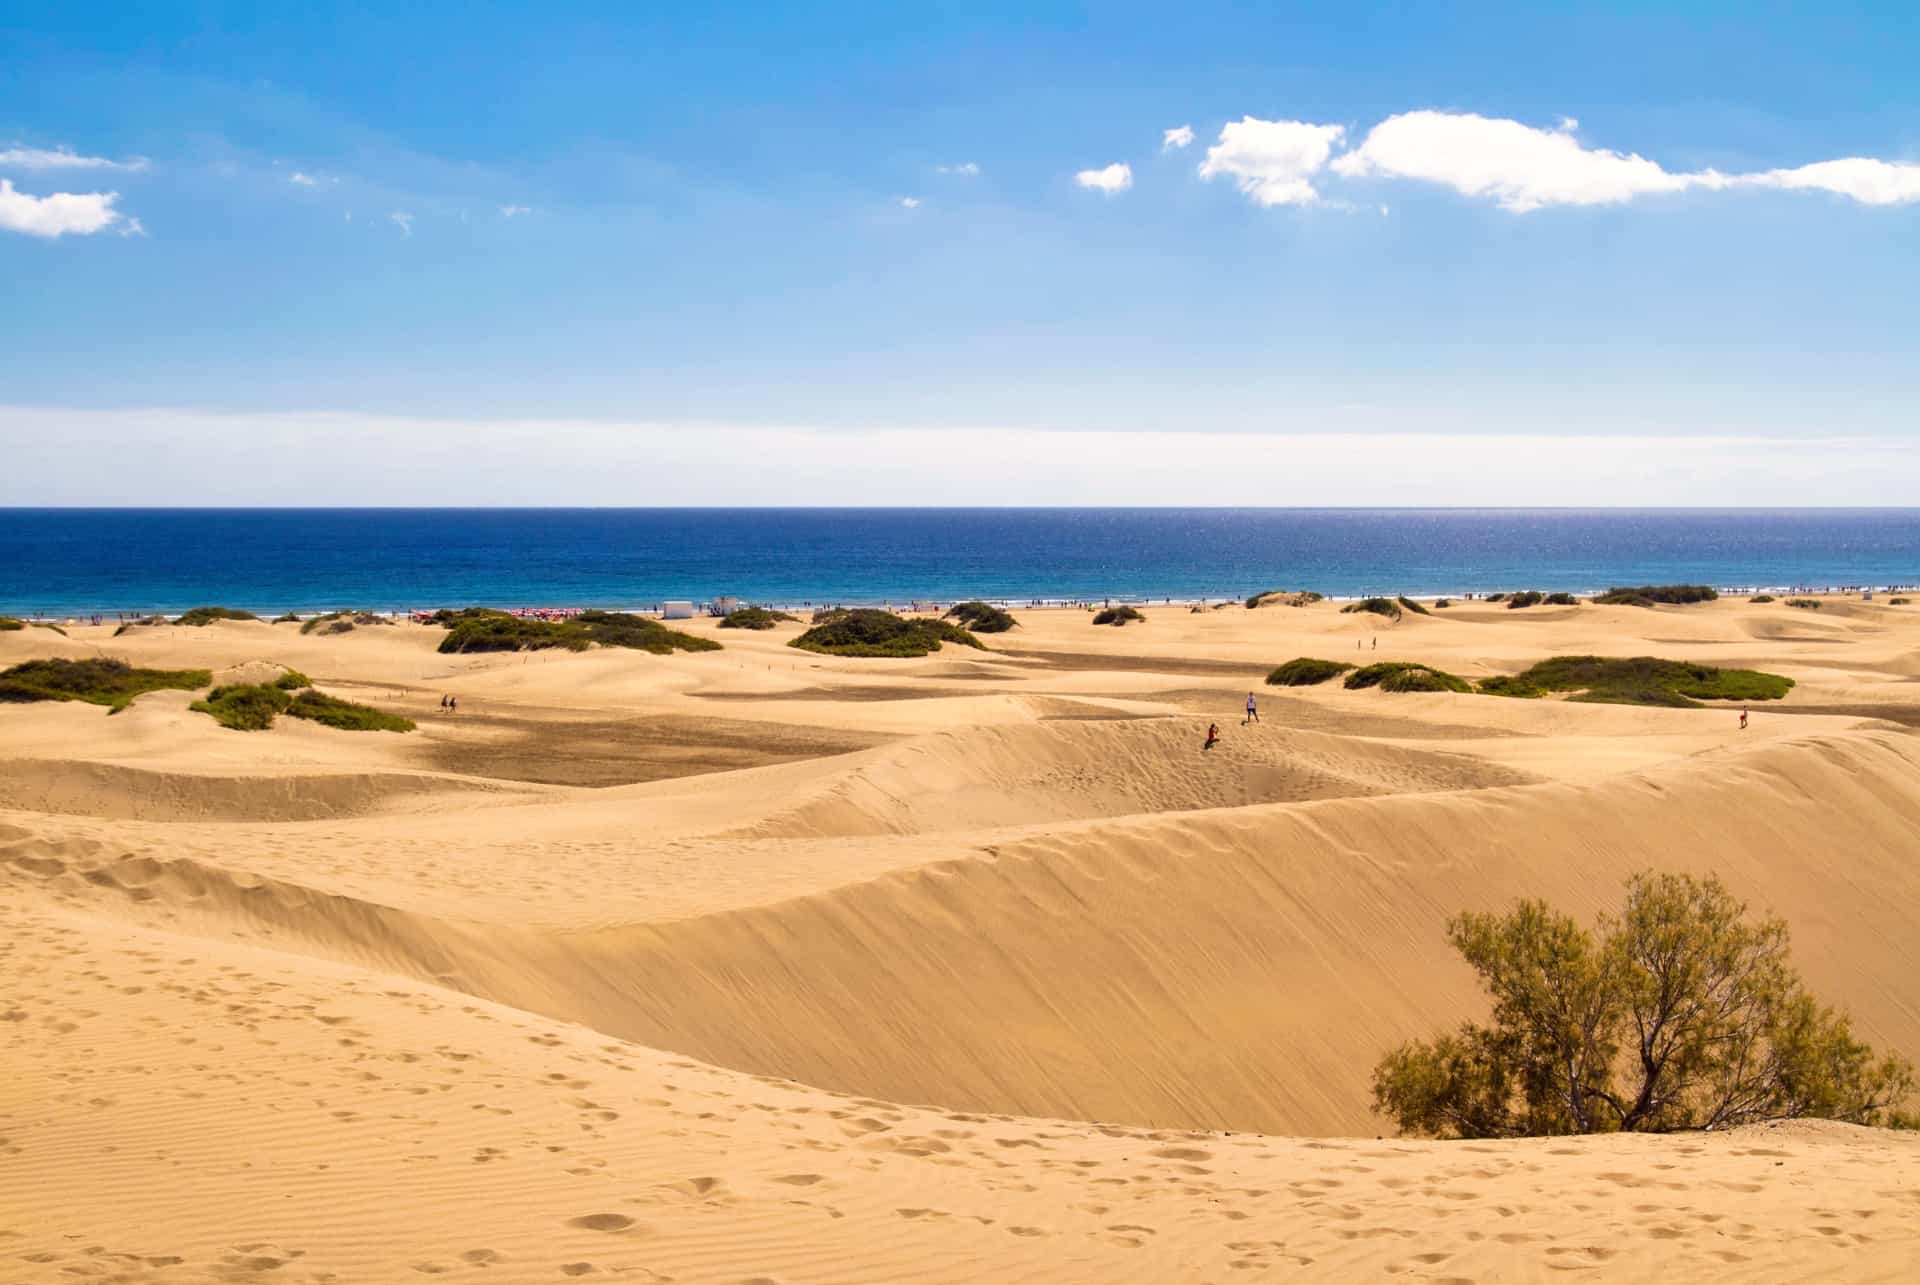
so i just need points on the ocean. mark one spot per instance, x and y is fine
(60, 562)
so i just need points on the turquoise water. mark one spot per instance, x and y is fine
(64, 561)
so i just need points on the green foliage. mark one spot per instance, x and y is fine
(144, 622)
(1286, 597)
(754, 618)
(825, 615)
(202, 616)
(287, 618)
(1525, 598)
(1401, 676)
(1443, 602)
(331, 711)
(981, 617)
(1639, 680)
(483, 629)
(244, 707)
(1898, 602)
(292, 681)
(1678, 1013)
(1562, 600)
(1496, 597)
(1647, 595)
(113, 683)
(342, 622)
(1116, 616)
(869, 632)
(1412, 606)
(1805, 604)
(1306, 671)
(1761, 597)
(1378, 606)
(8, 624)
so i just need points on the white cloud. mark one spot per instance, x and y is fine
(302, 180)
(1521, 167)
(1568, 124)
(909, 202)
(1866, 180)
(63, 158)
(402, 220)
(1272, 161)
(79, 213)
(966, 169)
(1113, 180)
(1178, 136)
(515, 211)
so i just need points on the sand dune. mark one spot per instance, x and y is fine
(964, 968)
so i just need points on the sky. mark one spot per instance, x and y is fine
(1032, 253)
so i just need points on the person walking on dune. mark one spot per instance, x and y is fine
(1743, 720)
(1253, 711)
(1213, 736)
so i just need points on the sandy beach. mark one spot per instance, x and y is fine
(761, 965)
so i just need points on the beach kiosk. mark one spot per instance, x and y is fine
(677, 611)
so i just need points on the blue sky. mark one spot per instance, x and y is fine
(1623, 221)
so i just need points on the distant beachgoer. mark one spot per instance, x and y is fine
(1253, 712)
(1743, 720)
(1376, 644)
(443, 700)
(1213, 736)
(453, 704)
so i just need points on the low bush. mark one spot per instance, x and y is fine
(483, 629)
(292, 681)
(1562, 600)
(1495, 597)
(1116, 616)
(142, 622)
(113, 683)
(1678, 1013)
(1378, 606)
(1306, 671)
(1898, 602)
(8, 624)
(347, 716)
(1412, 606)
(754, 618)
(1525, 598)
(202, 616)
(1443, 602)
(1647, 595)
(869, 632)
(1285, 597)
(1639, 680)
(1761, 597)
(1805, 604)
(1401, 676)
(252, 707)
(244, 707)
(341, 622)
(981, 617)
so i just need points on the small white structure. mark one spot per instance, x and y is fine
(724, 606)
(677, 611)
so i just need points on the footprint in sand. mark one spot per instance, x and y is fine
(601, 1222)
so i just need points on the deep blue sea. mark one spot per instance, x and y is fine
(65, 561)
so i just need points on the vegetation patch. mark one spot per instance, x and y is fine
(1898, 602)
(981, 617)
(1648, 595)
(1116, 616)
(348, 716)
(1496, 597)
(1679, 1012)
(244, 707)
(292, 681)
(252, 707)
(869, 632)
(201, 616)
(1306, 671)
(1284, 597)
(1443, 602)
(1562, 600)
(8, 624)
(1412, 606)
(1378, 606)
(483, 629)
(1639, 680)
(342, 622)
(1401, 676)
(1805, 604)
(1525, 598)
(1761, 597)
(754, 618)
(143, 622)
(99, 681)
(287, 618)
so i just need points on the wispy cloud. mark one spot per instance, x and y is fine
(909, 202)
(1272, 161)
(966, 169)
(1110, 181)
(515, 211)
(62, 213)
(299, 179)
(63, 158)
(402, 220)
(1178, 136)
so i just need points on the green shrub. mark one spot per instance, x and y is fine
(1761, 597)
(1443, 602)
(1286, 597)
(1402, 676)
(1116, 616)
(99, 681)
(1412, 606)
(1495, 597)
(331, 711)
(1378, 606)
(1898, 602)
(202, 616)
(754, 618)
(981, 617)
(1306, 671)
(143, 622)
(244, 707)
(483, 629)
(1805, 604)
(1562, 600)
(1639, 680)
(8, 624)
(1678, 1013)
(1647, 595)
(342, 622)
(1525, 598)
(824, 615)
(869, 632)
(292, 681)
